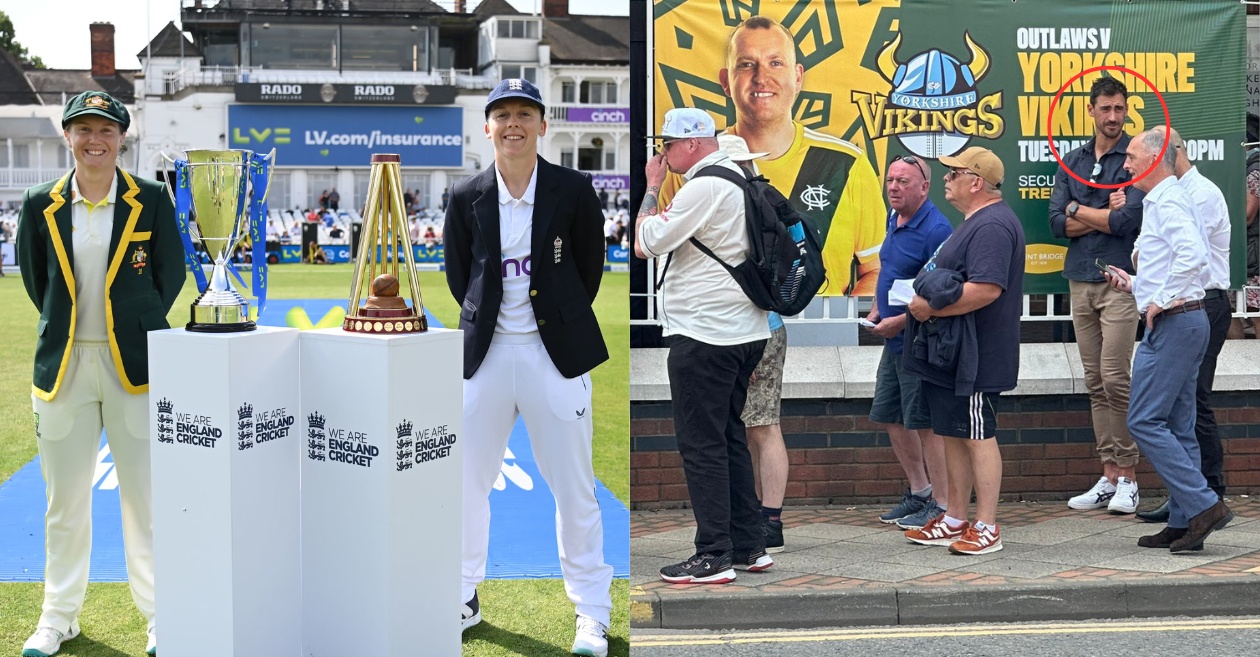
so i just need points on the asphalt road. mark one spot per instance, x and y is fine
(1219, 637)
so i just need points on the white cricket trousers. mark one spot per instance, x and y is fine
(518, 377)
(68, 432)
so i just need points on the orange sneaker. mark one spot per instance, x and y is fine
(936, 532)
(976, 541)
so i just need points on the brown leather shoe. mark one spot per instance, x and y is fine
(1216, 517)
(1163, 539)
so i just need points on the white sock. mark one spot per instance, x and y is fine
(954, 523)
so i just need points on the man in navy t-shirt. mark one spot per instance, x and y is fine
(987, 250)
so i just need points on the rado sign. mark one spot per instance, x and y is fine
(314, 93)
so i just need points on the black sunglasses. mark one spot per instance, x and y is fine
(1096, 172)
(912, 161)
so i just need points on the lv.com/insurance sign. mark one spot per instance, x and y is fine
(347, 136)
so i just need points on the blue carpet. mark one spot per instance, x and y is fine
(522, 527)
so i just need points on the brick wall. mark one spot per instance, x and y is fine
(839, 457)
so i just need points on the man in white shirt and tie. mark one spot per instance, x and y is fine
(1170, 256)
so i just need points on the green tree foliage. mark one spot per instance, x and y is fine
(9, 43)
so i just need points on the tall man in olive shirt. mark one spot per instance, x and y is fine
(1102, 224)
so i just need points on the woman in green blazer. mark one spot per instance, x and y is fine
(102, 260)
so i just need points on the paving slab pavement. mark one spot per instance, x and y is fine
(842, 567)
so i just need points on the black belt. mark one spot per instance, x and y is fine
(1215, 294)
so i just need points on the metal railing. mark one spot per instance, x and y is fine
(848, 310)
(23, 178)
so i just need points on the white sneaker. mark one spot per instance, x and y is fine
(1095, 498)
(471, 613)
(46, 641)
(591, 638)
(151, 647)
(1126, 497)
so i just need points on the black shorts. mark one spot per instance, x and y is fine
(959, 417)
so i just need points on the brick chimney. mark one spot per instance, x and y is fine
(459, 6)
(103, 50)
(556, 8)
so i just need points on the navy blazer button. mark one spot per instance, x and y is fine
(541, 322)
(533, 293)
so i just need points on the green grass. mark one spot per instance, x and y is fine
(521, 617)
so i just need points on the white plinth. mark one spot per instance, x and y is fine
(382, 419)
(225, 427)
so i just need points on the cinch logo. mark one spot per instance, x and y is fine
(609, 116)
(281, 136)
(374, 90)
(933, 108)
(519, 267)
(281, 89)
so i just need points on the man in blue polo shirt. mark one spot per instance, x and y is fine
(915, 230)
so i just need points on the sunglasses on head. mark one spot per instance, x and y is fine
(912, 161)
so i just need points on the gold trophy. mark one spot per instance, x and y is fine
(383, 242)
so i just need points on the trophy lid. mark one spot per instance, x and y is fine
(386, 157)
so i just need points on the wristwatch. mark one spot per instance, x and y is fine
(1072, 208)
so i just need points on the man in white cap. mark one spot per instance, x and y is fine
(717, 337)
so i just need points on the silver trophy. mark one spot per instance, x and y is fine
(216, 192)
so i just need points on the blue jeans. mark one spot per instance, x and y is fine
(1162, 410)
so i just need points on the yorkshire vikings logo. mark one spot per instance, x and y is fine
(934, 108)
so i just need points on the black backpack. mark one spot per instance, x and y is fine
(784, 269)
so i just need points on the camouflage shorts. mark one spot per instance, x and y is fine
(765, 393)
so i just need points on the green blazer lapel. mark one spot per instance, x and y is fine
(127, 209)
(58, 216)
(60, 220)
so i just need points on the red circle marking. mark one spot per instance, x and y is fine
(1050, 124)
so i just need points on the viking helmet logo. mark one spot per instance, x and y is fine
(934, 81)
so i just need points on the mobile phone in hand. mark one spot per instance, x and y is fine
(1102, 267)
(864, 322)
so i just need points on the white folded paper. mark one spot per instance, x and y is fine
(902, 292)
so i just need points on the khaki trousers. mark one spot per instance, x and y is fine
(1106, 322)
(68, 432)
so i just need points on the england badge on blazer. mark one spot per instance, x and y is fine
(558, 245)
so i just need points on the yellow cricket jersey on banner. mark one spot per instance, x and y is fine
(832, 182)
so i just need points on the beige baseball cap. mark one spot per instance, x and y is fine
(982, 161)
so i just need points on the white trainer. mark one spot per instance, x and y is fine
(1126, 498)
(471, 613)
(1095, 498)
(46, 641)
(591, 638)
(151, 647)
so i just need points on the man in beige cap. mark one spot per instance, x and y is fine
(973, 286)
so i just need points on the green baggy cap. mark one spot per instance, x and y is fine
(98, 103)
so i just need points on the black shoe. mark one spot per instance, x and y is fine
(773, 531)
(1158, 514)
(471, 614)
(754, 561)
(1216, 517)
(701, 569)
